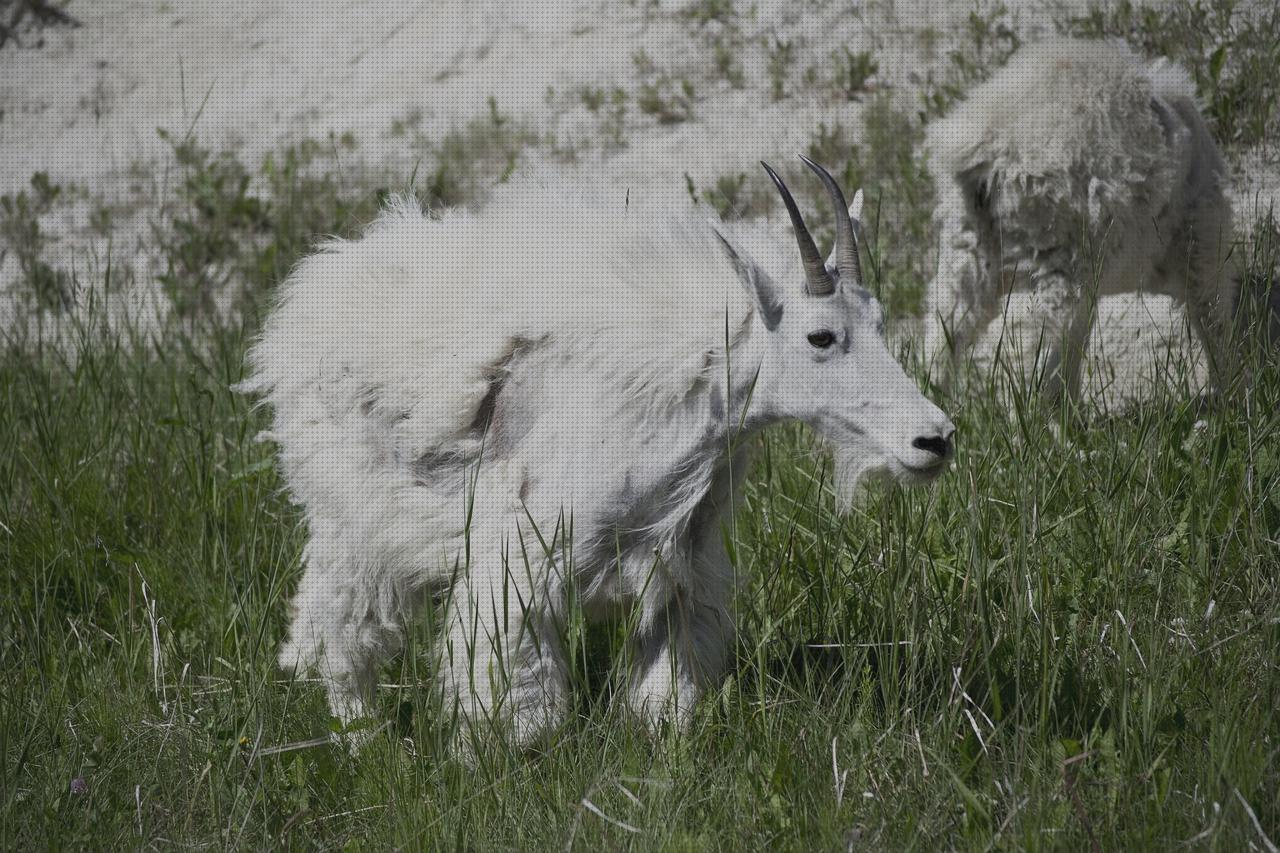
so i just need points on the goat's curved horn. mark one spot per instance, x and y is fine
(817, 281)
(847, 263)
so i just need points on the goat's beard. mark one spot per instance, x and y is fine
(855, 466)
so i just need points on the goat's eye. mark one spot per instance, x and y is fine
(822, 338)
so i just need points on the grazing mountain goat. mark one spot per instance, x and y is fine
(1077, 171)
(524, 406)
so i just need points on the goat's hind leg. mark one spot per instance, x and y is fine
(963, 298)
(1058, 322)
(502, 664)
(1200, 270)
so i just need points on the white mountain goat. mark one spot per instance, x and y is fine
(536, 401)
(1075, 172)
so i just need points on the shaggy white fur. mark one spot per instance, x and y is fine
(542, 403)
(1077, 171)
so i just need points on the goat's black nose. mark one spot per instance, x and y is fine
(935, 444)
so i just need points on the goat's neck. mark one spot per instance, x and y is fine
(737, 407)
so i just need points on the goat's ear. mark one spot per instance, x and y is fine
(755, 281)
(855, 212)
(855, 217)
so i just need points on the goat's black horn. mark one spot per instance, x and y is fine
(847, 263)
(817, 281)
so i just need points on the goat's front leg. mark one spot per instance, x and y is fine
(345, 623)
(684, 647)
(1060, 318)
(502, 663)
(677, 658)
(963, 298)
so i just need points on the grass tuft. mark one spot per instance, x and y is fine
(1059, 641)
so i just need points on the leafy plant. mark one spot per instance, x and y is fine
(469, 160)
(727, 66)
(215, 221)
(668, 99)
(734, 196)
(611, 106)
(48, 288)
(704, 12)
(781, 55)
(853, 71)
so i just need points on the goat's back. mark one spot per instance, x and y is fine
(1067, 105)
(384, 348)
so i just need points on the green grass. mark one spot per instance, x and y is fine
(1036, 650)
(1063, 641)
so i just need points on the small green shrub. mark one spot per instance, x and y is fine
(469, 160)
(231, 234)
(592, 98)
(214, 222)
(853, 71)
(47, 288)
(724, 53)
(411, 121)
(738, 195)
(669, 101)
(781, 56)
(705, 11)
(611, 107)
